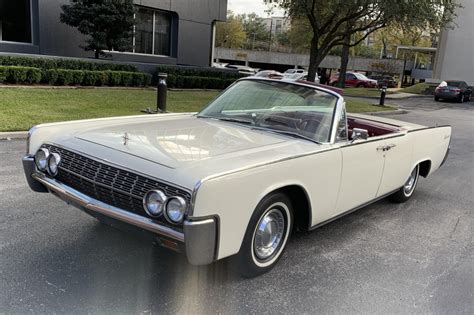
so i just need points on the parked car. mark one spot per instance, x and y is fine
(293, 71)
(242, 69)
(384, 80)
(272, 74)
(265, 157)
(354, 79)
(298, 74)
(453, 90)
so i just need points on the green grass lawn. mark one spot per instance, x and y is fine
(22, 108)
(415, 89)
(367, 92)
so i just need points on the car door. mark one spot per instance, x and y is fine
(362, 168)
(351, 79)
(397, 167)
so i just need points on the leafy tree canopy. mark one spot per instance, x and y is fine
(333, 22)
(230, 34)
(108, 24)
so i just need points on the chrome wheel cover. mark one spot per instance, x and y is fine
(411, 182)
(269, 234)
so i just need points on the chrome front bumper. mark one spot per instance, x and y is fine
(199, 236)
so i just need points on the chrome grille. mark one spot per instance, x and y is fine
(109, 184)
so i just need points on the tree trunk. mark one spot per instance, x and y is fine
(344, 61)
(315, 59)
(97, 53)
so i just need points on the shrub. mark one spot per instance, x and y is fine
(15, 74)
(70, 64)
(65, 77)
(33, 75)
(89, 78)
(113, 78)
(50, 76)
(3, 74)
(126, 78)
(199, 72)
(194, 82)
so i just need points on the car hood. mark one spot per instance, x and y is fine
(180, 142)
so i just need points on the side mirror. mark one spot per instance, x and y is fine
(359, 134)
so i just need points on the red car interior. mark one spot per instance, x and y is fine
(374, 128)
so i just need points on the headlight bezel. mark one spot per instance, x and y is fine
(37, 159)
(57, 159)
(159, 212)
(182, 211)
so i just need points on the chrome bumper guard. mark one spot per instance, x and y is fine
(199, 237)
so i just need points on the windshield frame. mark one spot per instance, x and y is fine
(340, 104)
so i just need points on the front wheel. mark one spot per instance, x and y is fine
(436, 99)
(405, 193)
(266, 236)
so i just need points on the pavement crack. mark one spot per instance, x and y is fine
(454, 229)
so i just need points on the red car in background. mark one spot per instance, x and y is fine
(354, 79)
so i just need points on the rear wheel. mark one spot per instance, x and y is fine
(266, 236)
(405, 193)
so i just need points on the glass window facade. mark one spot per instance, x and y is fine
(152, 32)
(15, 21)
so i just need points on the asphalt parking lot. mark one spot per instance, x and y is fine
(384, 258)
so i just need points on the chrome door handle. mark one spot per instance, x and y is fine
(386, 147)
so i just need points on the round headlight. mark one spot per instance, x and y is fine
(175, 208)
(41, 159)
(53, 163)
(153, 202)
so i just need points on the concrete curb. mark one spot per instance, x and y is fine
(388, 97)
(13, 135)
(388, 112)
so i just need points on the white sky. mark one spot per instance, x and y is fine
(249, 6)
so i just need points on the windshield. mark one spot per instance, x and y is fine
(290, 109)
(361, 76)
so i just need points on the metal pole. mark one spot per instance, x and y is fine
(162, 91)
(382, 95)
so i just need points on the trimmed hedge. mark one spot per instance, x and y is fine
(199, 72)
(195, 82)
(71, 64)
(15, 75)
(29, 75)
(197, 78)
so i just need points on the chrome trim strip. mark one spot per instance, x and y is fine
(432, 127)
(67, 193)
(352, 210)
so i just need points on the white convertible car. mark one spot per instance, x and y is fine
(265, 157)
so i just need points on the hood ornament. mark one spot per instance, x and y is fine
(125, 138)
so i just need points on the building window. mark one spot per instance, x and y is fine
(152, 32)
(15, 21)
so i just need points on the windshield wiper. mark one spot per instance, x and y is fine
(242, 121)
(288, 133)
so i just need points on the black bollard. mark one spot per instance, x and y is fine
(162, 91)
(382, 95)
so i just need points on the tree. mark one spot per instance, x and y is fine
(254, 27)
(108, 24)
(230, 34)
(334, 21)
